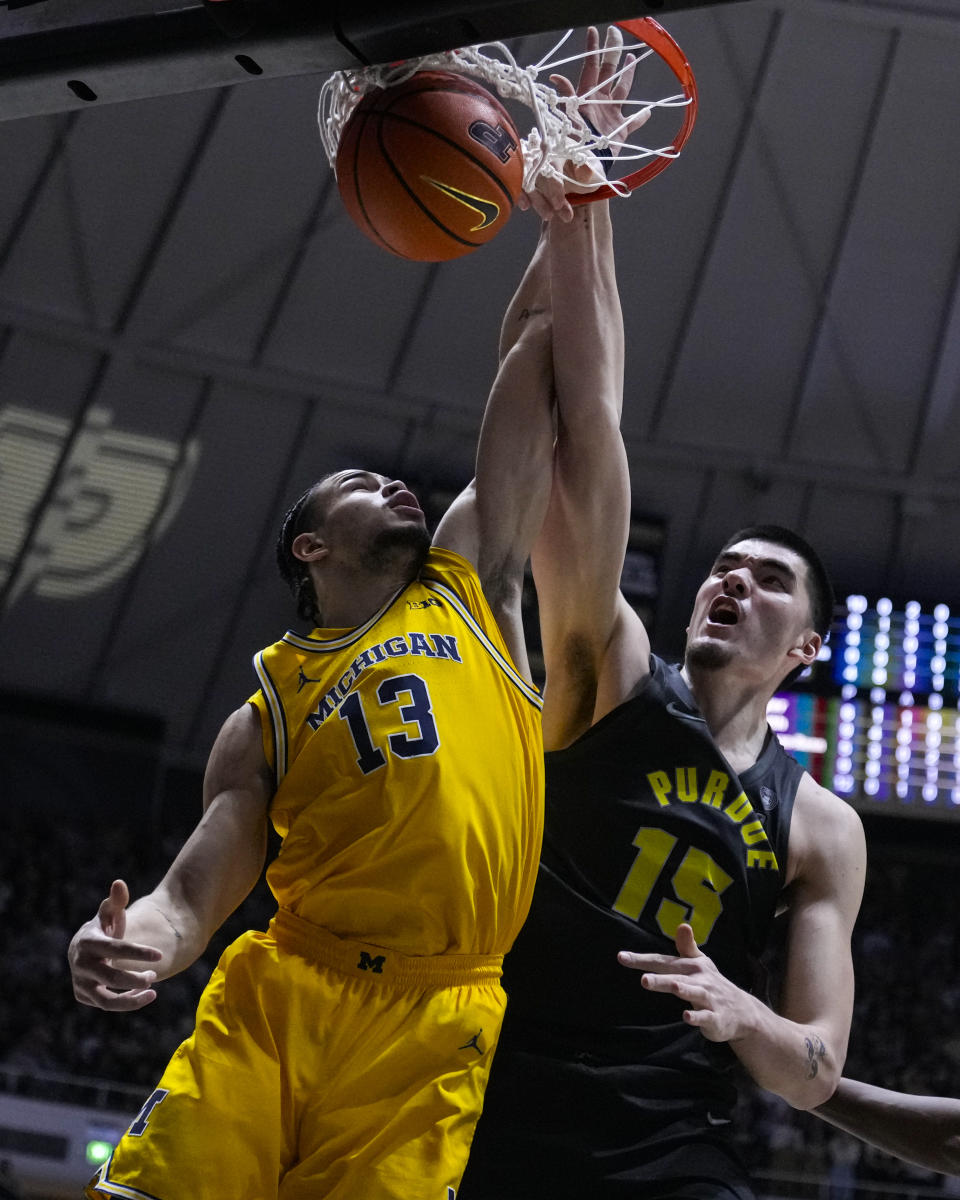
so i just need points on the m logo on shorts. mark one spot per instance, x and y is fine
(139, 1127)
(370, 962)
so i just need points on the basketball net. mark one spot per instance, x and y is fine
(561, 137)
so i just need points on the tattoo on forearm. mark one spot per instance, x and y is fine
(816, 1052)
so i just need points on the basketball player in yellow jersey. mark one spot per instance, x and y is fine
(379, 729)
(343, 1053)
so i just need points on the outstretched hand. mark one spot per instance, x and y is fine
(607, 89)
(605, 85)
(718, 1008)
(94, 949)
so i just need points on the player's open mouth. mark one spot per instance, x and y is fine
(724, 611)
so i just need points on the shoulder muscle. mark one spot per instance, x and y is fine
(827, 844)
(237, 763)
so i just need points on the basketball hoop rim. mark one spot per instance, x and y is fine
(556, 138)
(653, 34)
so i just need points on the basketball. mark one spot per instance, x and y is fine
(430, 168)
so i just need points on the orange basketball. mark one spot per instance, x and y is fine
(430, 168)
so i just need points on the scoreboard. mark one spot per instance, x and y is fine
(878, 720)
(907, 650)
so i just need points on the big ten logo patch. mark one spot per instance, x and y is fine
(82, 503)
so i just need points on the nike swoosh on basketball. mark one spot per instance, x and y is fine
(487, 210)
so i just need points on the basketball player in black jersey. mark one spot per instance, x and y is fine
(676, 826)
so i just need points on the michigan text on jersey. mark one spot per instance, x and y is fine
(443, 646)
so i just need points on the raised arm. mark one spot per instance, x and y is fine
(797, 1051)
(578, 557)
(924, 1130)
(495, 520)
(594, 645)
(563, 332)
(117, 955)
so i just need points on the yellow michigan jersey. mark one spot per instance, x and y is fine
(344, 1051)
(409, 770)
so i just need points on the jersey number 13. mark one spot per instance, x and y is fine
(416, 712)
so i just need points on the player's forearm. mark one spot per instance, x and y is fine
(924, 1130)
(795, 1061)
(587, 318)
(531, 298)
(158, 920)
(515, 457)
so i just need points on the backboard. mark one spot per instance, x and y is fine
(58, 55)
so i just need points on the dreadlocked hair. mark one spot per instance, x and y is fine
(294, 572)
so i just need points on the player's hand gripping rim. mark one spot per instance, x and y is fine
(602, 113)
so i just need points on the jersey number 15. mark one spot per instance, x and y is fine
(697, 885)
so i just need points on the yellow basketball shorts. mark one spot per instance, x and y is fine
(318, 1068)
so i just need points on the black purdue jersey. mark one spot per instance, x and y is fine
(646, 827)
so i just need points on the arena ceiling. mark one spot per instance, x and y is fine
(191, 330)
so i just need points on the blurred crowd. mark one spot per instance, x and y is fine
(905, 1035)
(52, 879)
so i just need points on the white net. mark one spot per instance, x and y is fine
(560, 139)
